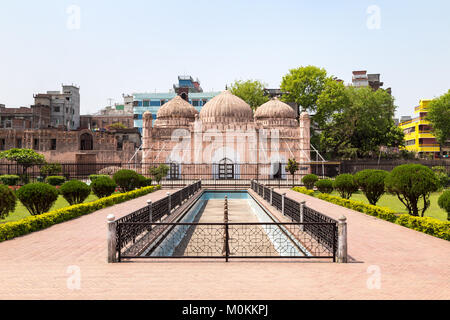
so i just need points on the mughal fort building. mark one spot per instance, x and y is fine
(224, 135)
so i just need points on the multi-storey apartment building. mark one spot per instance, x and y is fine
(418, 135)
(188, 88)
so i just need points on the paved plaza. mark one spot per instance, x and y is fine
(389, 262)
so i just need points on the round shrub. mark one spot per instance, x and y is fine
(325, 186)
(38, 198)
(55, 180)
(127, 180)
(103, 186)
(411, 183)
(7, 201)
(371, 182)
(10, 180)
(444, 202)
(75, 191)
(345, 184)
(144, 182)
(309, 180)
(92, 177)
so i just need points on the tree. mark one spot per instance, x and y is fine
(444, 202)
(50, 169)
(357, 126)
(439, 117)
(251, 91)
(371, 182)
(345, 184)
(7, 201)
(160, 172)
(410, 183)
(303, 86)
(38, 198)
(24, 157)
(292, 167)
(117, 125)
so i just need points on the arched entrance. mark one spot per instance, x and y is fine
(86, 142)
(226, 169)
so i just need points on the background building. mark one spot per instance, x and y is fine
(418, 136)
(361, 79)
(187, 88)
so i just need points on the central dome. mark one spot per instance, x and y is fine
(275, 109)
(226, 108)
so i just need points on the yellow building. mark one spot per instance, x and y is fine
(418, 136)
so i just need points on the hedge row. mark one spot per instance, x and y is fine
(27, 225)
(431, 226)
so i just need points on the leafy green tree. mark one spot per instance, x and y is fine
(7, 201)
(251, 91)
(444, 202)
(292, 167)
(75, 192)
(160, 172)
(24, 157)
(359, 124)
(345, 184)
(38, 198)
(310, 180)
(439, 117)
(411, 183)
(50, 169)
(303, 86)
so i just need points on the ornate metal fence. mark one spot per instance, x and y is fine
(319, 226)
(142, 218)
(226, 241)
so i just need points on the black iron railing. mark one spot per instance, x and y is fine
(319, 226)
(153, 212)
(226, 241)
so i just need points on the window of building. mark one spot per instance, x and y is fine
(136, 116)
(204, 102)
(19, 143)
(53, 144)
(2, 144)
(86, 142)
(146, 103)
(155, 103)
(36, 144)
(56, 109)
(67, 110)
(410, 142)
(196, 103)
(163, 102)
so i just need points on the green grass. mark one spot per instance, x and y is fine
(22, 212)
(392, 202)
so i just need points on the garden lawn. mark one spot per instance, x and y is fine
(22, 212)
(392, 202)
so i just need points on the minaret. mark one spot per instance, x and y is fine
(305, 137)
(147, 136)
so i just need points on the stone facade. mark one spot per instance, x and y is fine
(224, 133)
(35, 117)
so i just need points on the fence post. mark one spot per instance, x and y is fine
(150, 213)
(111, 239)
(282, 202)
(264, 191)
(170, 200)
(271, 196)
(302, 214)
(342, 240)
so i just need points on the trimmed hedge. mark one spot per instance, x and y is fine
(444, 202)
(431, 226)
(10, 180)
(7, 201)
(25, 226)
(92, 177)
(75, 192)
(38, 198)
(103, 186)
(345, 184)
(309, 180)
(55, 180)
(325, 186)
(127, 180)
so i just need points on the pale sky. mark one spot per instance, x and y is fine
(114, 47)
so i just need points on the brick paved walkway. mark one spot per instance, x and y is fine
(412, 265)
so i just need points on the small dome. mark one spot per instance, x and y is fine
(226, 107)
(175, 109)
(275, 109)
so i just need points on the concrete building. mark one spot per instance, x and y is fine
(225, 136)
(418, 135)
(361, 79)
(64, 106)
(187, 88)
(35, 117)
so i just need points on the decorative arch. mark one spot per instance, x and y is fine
(86, 142)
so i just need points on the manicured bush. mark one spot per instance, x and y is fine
(127, 180)
(158, 173)
(92, 177)
(144, 182)
(309, 180)
(444, 202)
(75, 192)
(50, 169)
(55, 180)
(38, 198)
(9, 180)
(14, 229)
(103, 186)
(325, 186)
(371, 183)
(411, 183)
(7, 201)
(345, 184)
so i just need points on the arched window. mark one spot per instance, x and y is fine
(86, 142)
(226, 169)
